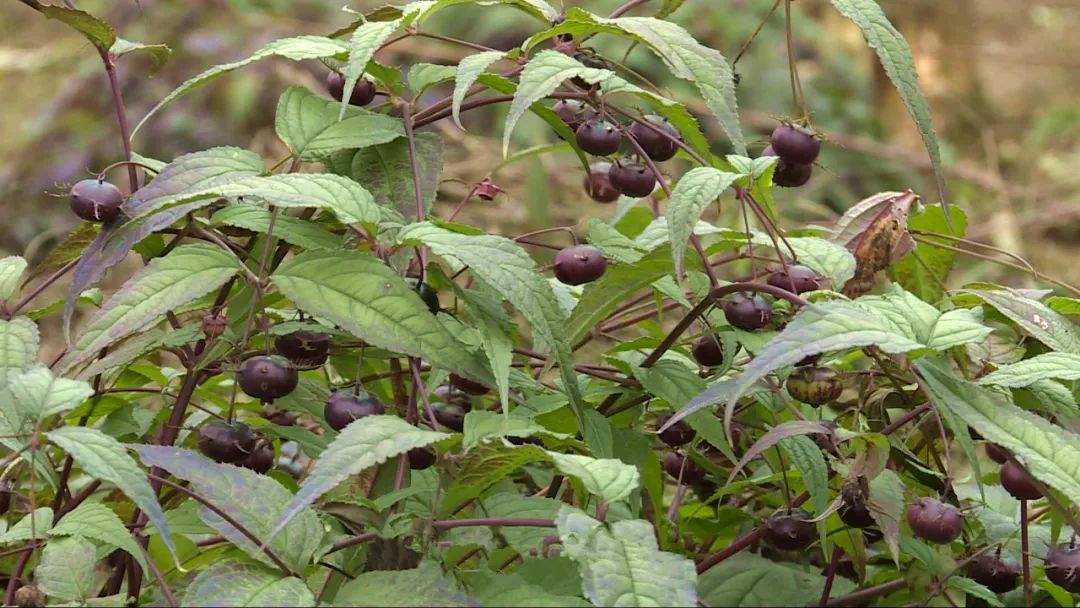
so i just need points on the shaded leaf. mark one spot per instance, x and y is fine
(423, 586)
(747, 579)
(38, 393)
(925, 281)
(18, 346)
(386, 171)
(609, 478)
(159, 53)
(483, 467)
(235, 583)
(99, 33)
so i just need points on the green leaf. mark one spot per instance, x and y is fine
(614, 244)
(423, 76)
(492, 589)
(695, 191)
(297, 49)
(895, 56)
(608, 478)
(925, 279)
(365, 40)
(289, 229)
(423, 586)
(1062, 366)
(508, 269)
(970, 587)
(311, 127)
(887, 507)
(99, 33)
(468, 71)
(921, 322)
(38, 393)
(1050, 453)
(365, 297)
(806, 456)
(482, 424)
(522, 538)
(484, 306)
(1054, 398)
(11, 271)
(1034, 317)
(159, 53)
(235, 583)
(35, 525)
(746, 579)
(231, 488)
(18, 346)
(361, 445)
(1065, 306)
(186, 274)
(483, 467)
(99, 522)
(544, 73)
(386, 171)
(830, 260)
(69, 570)
(104, 458)
(623, 566)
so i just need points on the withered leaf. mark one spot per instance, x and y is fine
(876, 233)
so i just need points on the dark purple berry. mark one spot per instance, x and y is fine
(226, 441)
(796, 279)
(676, 464)
(448, 394)
(707, 351)
(676, 435)
(573, 112)
(421, 458)
(997, 574)
(343, 407)
(451, 416)
(656, 145)
(426, 293)
(632, 179)
(598, 137)
(598, 184)
(579, 264)
(747, 311)
(1018, 483)
(856, 514)
(996, 453)
(814, 385)
(790, 531)
(466, 385)
(7, 489)
(934, 521)
(1063, 567)
(795, 144)
(96, 201)
(267, 377)
(363, 93)
(260, 460)
(306, 348)
(791, 175)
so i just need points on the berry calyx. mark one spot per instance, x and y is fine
(421, 458)
(487, 190)
(426, 293)
(1018, 483)
(362, 94)
(96, 200)
(996, 453)
(579, 264)
(1063, 567)
(598, 184)
(343, 407)
(790, 531)
(632, 179)
(934, 521)
(223, 441)
(267, 377)
(451, 416)
(260, 460)
(997, 574)
(676, 435)
(307, 348)
(573, 112)
(796, 279)
(466, 385)
(747, 311)
(795, 144)
(707, 351)
(675, 464)
(598, 137)
(656, 145)
(814, 385)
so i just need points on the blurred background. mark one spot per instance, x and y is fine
(1001, 78)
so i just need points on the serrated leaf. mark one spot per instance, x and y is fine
(289, 229)
(468, 71)
(612, 243)
(923, 323)
(312, 128)
(99, 33)
(297, 49)
(99, 522)
(483, 467)
(1063, 305)
(69, 570)
(623, 566)
(747, 579)
(1061, 366)
(522, 538)
(365, 40)
(1034, 317)
(361, 445)
(482, 424)
(423, 586)
(159, 53)
(608, 478)
(104, 458)
(493, 589)
(235, 583)
(35, 524)
(786, 430)
(365, 297)
(11, 271)
(18, 346)
(695, 191)
(970, 587)
(1054, 398)
(386, 171)
(806, 456)
(186, 274)
(37, 393)
(231, 488)
(485, 308)
(828, 259)
(925, 281)
(423, 76)
(895, 56)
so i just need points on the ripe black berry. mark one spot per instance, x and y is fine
(96, 201)
(363, 93)
(747, 311)
(7, 488)
(997, 574)
(676, 435)
(449, 394)
(451, 416)
(795, 144)
(996, 453)
(260, 460)
(691, 471)
(226, 441)
(421, 458)
(573, 112)
(343, 407)
(791, 175)
(1018, 483)
(707, 351)
(598, 137)
(934, 521)
(306, 348)
(1063, 567)
(790, 531)
(471, 387)
(796, 279)
(579, 264)
(656, 145)
(632, 179)
(598, 185)
(814, 385)
(426, 293)
(267, 377)
(856, 514)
